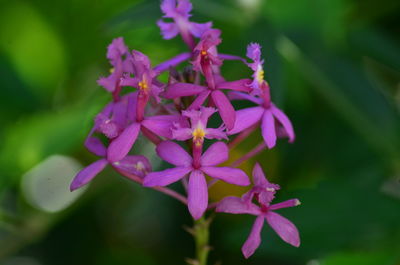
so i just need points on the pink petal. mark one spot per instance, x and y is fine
(159, 126)
(231, 57)
(182, 134)
(165, 177)
(259, 176)
(239, 85)
(197, 194)
(184, 7)
(225, 108)
(121, 145)
(183, 90)
(137, 165)
(216, 154)
(88, 173)
(197, 29)
(254, 51)
(268, 129)
(285, 204)
(129, 81)
(173, 153)
(168, 30)
(172, 62)
(216, 133)
(236, 205)
(168, 7)
(284, 228)
(254, 239)
(107, 82)
(242, 96)
(284, 120)
(95, 146)
(246, 118)
(230, 175)
(199, 100)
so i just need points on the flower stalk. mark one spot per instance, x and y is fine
(201, 234)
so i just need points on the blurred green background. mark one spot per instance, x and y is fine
(334, 67)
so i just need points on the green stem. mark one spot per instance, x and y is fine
(201, 234)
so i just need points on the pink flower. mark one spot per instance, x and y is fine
(198, 129)
(179, 11)
(264, 192)
(185, 164)
(116, 52)
(270, 117)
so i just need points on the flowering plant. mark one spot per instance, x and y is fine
(188, 100)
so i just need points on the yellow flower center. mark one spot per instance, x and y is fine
(139, 166)
(112, 70)
(204, 53)
(198, 136)
(143, 85)
(260, 75)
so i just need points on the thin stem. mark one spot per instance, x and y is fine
(259, 148)
(201, 234)
(243, 135)
(164, 190)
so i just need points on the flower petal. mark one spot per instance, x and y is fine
(197, 29)
(285, 204)
(197, 194)
(216, 154)
(259, 178)
(215, 133)
(181, 134)
(173, 153)
(242, 96)
(236, 205)
(183, 90)
(284, 228)
(165, 177)
(254, 239)
(199, 100)
(230, 175)
(160, 125)
(268, 129)
(239, 85)
(168, 30)
(121, 145)
(246, 118)
(172, 62)
(138, 165)
(94, 145)
(284, 120)
(225, 108)
(87, 174)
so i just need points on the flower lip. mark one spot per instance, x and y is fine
(198, 135)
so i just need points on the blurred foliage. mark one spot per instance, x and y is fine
(334, 67)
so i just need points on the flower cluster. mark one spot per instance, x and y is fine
(175, 115)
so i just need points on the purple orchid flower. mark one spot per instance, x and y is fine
(198, 130)
(270, 116)
(264, 193)
(137, 165)
(185, 164)
(111, 122)
(151, 127)
(254, 53)
(115, 53)
(221, 101)
(179, 11)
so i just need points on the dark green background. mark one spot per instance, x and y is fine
(334, 68)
